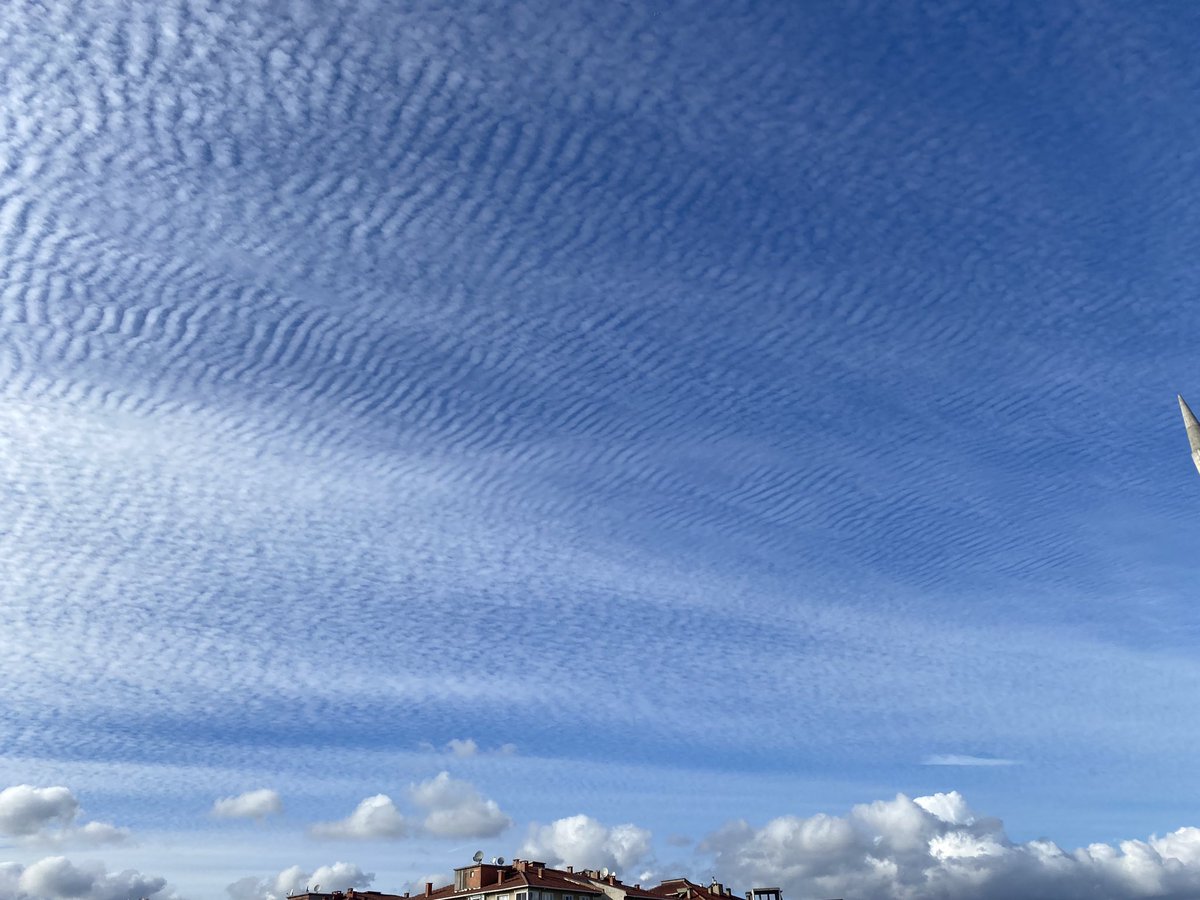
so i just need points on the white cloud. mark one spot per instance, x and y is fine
(337, 877)
(962, 759)
(936, 847)
(26, 810)
(465, 748)
(582, 841)
(57, 878)
(456, 809)
(47, 816)
(951, 807)
(373, 818)
(251, 805)
(462, 749)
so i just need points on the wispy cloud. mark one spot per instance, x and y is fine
(965, 759)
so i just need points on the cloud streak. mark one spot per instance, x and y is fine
(965, 759)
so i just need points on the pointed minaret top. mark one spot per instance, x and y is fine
(1193, 430)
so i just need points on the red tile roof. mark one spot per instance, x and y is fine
(522, 874)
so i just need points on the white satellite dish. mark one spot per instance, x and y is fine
(499, 860)
(478, 857)
(604, 872)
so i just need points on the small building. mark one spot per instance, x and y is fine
(613, 887)
(527, 879)
(683, 889)
(522, 879)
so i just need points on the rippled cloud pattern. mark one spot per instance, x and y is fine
(759, 388)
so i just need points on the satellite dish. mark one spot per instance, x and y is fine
(478, 857)
(499, 860)
(604, 872)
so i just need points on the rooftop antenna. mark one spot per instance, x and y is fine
(478, 857)
(604, 872)
(499, 860)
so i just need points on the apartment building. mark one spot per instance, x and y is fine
(527, 879)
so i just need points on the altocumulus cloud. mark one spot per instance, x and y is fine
(251, 805)
(937, 848)
(336, 877)
(57, 878)
(47, 815)
(582, 841)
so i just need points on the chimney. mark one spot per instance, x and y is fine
(571, 870)
(429, 889)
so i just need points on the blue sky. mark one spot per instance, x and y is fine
(668, 414)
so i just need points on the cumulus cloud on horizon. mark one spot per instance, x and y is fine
(257, 804)
(58, 878)
(48, 816)
(938, 848)
(336, 877)
(582, 841)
